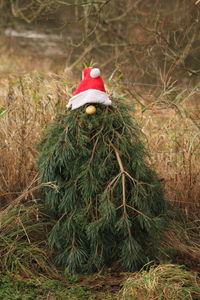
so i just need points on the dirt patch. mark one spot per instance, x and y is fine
(109, 281)
(188, 262)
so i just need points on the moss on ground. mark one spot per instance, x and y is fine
(19, 289)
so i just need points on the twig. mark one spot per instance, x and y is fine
(113, 181)
(95, 145)
(139, 212)
(24, 230)
(136, 210)
(122, 173)
(135, 180)
(80, 58)
(26, 192)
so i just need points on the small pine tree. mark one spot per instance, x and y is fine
(109, 204)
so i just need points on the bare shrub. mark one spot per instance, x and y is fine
(133, 39)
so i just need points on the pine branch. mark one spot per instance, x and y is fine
(108, 196)
(123, 178)
(122, 173)
(95, 145)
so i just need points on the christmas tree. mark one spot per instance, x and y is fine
(108, 205)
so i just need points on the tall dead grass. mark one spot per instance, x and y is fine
(172, 127)
(29, 102)
(167, 282)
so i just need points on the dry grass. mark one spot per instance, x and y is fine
(172, 127)
(181, 244)
(23, 236)
(23, 249)
(167, 282)
(29, 102)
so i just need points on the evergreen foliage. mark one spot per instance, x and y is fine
(109, 204)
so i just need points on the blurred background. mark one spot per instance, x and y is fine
(148, 51)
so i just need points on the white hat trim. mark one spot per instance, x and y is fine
(89, 96)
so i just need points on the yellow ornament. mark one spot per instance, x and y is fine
(90, 110)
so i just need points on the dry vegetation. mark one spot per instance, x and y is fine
(169, 282)
(134, 39)
(29, 102)
(162, 47)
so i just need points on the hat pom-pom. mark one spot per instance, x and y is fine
(94, 73)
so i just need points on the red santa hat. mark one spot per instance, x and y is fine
(90, 90)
